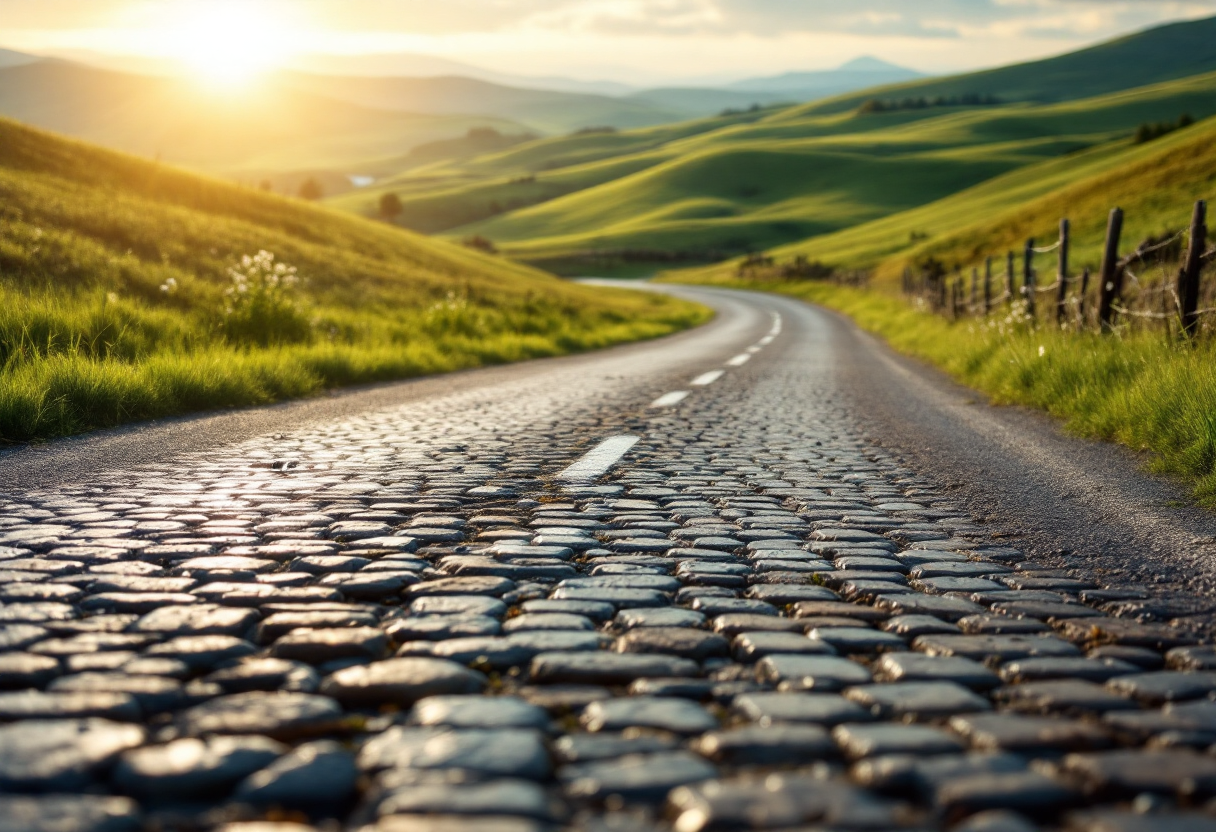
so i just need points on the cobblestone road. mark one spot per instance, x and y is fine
(670, 587)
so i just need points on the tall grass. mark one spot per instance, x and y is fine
(1142, 390)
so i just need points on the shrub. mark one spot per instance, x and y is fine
(311, 189)
(479, 243)
(390, 206)
(261, 305)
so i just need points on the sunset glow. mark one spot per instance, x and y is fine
(227, 43)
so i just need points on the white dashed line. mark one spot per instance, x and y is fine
(670, 399)
(754, 350)
(739, 360)
(776, 330)
(596, 462)
(766, 340)
(706, 379)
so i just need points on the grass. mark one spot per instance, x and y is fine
(1143, 391)
(781, 180)
(1155, 183)
(117, 302)
(448, 195)
(1163, 53)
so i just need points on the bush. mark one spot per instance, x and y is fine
(1148, 131)
(311, 189)
(479, 243)
(261, 306)
(390, 206)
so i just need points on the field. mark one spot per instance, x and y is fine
(710, 190)
(757, 187)
(1155, 183)
(131, 290)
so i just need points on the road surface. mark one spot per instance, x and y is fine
(763, 574)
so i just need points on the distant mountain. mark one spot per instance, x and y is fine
(547, 111)
(409, 65)
(1163, 53)
(788, 88)
(695, 102)
(856, 74)
(273, 126)
(10, 58)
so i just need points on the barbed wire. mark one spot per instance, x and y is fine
(1139, 253)
(1047, 249)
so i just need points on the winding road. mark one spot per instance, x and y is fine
(763, 574)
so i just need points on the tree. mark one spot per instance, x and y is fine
(390, 206)
(311, 189)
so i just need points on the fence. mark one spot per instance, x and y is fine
(1115, 299)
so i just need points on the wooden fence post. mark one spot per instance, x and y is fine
(1111, 276)
(1028, 277)
(1188, 275)
(987, 285)
(1062, 277)
(1009, 290)
(1081, 300)
(975, 288)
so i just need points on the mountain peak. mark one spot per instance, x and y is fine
(868, 63)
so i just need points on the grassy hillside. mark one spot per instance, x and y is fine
(759, 186)
(672, 194)
(118, 300)
(268, 127)
(543, 110)
(1163, 53)
(457, 192)
(1154, 182)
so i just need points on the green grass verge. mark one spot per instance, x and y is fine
(1142, 391)
(117, 302)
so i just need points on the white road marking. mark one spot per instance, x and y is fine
(706, 379)
(754, 350)
(766, 340)
(739, 360)
(776, 330)
(670, 399)
(596, 462)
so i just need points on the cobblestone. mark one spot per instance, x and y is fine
(757, 620)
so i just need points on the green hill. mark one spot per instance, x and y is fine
(118, 301)
(457, 192)
(779, 180)
(716, 189)
(1163, 53)
(1155, 183)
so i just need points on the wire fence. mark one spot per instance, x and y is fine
(1157, 286)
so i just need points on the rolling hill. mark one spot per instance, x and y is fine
(267, 128)
(1163, 53)
(118, 299)
(781, 179)
(546, 111)
(788, 174)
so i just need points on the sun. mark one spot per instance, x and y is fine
(227, 43)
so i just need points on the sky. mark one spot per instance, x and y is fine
(633, 41)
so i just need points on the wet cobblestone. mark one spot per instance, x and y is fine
(403, 622)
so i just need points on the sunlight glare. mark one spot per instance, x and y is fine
(228, 43)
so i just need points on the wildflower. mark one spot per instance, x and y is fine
(169, 286)
(1042, 350)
